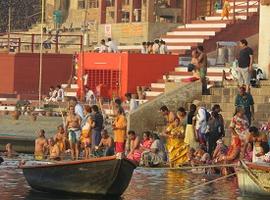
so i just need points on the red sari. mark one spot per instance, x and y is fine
(136, 156)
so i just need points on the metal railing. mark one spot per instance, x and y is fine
(30, 42)
(248, 4)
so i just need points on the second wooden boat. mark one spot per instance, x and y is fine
(254, 178)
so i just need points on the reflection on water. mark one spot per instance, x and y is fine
(150, 184)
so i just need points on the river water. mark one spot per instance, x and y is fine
(146, 184)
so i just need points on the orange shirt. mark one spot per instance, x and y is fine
(120, 129)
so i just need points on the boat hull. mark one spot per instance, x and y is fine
(253, 180)
(105, 177)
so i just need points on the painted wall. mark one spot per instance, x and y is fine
(21, 73)
(6, 73)
(135, 69)
(264, 39)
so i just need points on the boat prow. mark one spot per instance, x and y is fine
(254, 179)
(106, 176)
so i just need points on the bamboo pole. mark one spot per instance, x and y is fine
(40, 54)
(206, 183)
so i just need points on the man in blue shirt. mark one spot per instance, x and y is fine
(245, 100)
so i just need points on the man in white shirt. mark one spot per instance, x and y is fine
(144, 49)
(78, 107)
(112, 48)
(163, 49)
(201, 121)
(103, 47)
(60, 93)
(89, 96)
(133, 104)
(156, 47)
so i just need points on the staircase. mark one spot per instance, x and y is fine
(225, 97)
(214, 74)
(186, 37)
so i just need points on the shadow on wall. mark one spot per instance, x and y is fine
(147, 116)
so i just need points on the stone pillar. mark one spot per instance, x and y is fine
(187, 11)
(264, 39)
(172, 3)
(150, 6)
(118, 11)
(102, 11)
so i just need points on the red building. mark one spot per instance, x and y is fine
(19, 73)
(120, 73)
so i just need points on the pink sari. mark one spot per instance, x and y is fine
(136, 156)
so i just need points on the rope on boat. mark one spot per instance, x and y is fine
(192, 167)
(206, 183)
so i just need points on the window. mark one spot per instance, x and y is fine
(81, 4)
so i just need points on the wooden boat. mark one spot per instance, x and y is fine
(254, 178)
(99, 176)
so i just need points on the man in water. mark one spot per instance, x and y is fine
(73, 124)
(41, 145)
(1, 160)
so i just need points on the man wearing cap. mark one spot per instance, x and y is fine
(245, 100)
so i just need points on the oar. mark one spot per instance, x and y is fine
(206, 183)
(192, 167)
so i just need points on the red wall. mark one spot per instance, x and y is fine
(57, 69)
(6, 73)
(135, 69)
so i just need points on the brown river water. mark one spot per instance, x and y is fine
(146, 184)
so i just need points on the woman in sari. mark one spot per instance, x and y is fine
(156, 156)
(232, 155)
(190, 134)
(225, 10)
(177, 149)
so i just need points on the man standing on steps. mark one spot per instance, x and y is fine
(245, 100)
(245, 62)
(202, 67)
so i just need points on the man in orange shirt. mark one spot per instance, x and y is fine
(119, 130)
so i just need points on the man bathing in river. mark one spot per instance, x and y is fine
(41, 145)
(73, 122)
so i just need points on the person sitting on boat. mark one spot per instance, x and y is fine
(191, 155)
(60, 138)
(54, 150)
(41, 145)
(106, 145)
(86, 131)
(260, 144)
(10, 152)
(176, 148)
(232, 155)
(156, 156)
(119, 130)
(134, 153)
(73, 122)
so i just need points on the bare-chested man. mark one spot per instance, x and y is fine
(60, 138)
(106, 144)
(54, 150)
(73, 124)
(41, 145)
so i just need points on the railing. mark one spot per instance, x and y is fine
(31, 42)
(246, 10)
